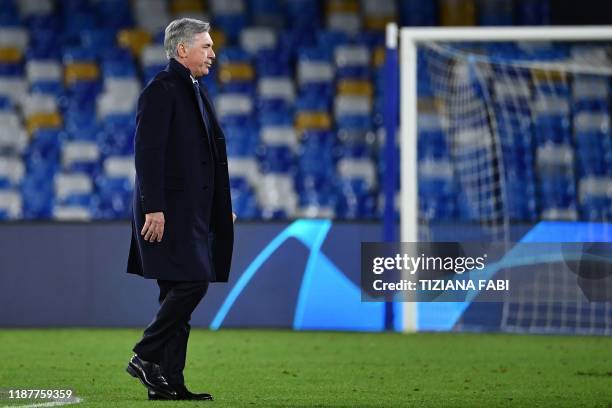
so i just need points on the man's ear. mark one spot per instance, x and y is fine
(181, 50)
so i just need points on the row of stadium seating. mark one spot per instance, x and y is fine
(554, 136)
(69, 91)
(298, 88)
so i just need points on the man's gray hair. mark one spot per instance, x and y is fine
(182, 31)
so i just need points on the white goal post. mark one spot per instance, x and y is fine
(410, 39)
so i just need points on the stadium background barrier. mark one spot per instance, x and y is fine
(300, 275)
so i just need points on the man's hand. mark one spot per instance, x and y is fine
(153, 229)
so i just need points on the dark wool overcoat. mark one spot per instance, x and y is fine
(181, 170)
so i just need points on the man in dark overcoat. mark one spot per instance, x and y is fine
(182, 225)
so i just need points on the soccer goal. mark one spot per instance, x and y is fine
(502, 127)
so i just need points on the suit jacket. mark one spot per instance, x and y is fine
(179, 172)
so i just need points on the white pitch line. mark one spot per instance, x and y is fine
(74, 400)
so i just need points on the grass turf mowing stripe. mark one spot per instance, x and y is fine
(303, 369)
(47, 404)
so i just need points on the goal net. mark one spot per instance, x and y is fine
(508, 134)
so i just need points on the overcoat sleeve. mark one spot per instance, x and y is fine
(153, 118)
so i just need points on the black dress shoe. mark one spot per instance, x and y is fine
(182, 393)
(150, 376)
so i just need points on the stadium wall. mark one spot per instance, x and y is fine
(301, 275)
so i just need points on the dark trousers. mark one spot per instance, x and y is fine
(164, 341)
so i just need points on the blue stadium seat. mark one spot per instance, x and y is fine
(113, 13)
(5, 103)
(118, 69)
(275, 159)
(273, 62)
(267, 12)
(314, 64)
(11, 70)
(98, 39)
(242, 138)
(233, 54)
(116, 141)
(115, 197)
(54, 88)
(37, 194)
(83, 94)
(244, 202)
(45, 146)
(79, 54)
(355, 200)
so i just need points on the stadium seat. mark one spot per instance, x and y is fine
(10, 205)
(306, 120)
(317, 71)
(276, 196)
(245, 168)
(276, 88)
(230, 16)
(133, 39)
(115, 197)
(119, 97)
(37, 197)
(10, 56)
(81, 72)
(354, 87)
(298, 88)
(14, 37)
(349, 168)
(45, 120)
(120, 167)
(98, 39)
(151, 15)
(352, 61)
(236, 72)
(5, 104)
(185, 6)
(72, 184)
(231, 104)
(81, 156)
(595, 197)
(117, 139)
(436, 189)
(355, 201)
(343, 16)
(71, 213)
(244, 201)
(13, 88)
(153, 55)
(256, 39)
(13, 137)
(115, 14)
(378, 13)
(28, 8)
(12, 171)
(38, 103)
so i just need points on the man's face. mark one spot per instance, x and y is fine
(199, 56)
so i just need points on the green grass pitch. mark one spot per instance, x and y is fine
(246, 368)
